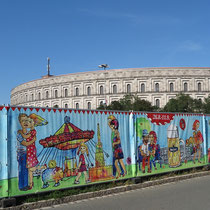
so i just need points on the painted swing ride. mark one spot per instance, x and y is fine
(62, 147)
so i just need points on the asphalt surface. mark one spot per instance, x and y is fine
(190, 194)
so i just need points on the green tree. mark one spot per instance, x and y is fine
(142, 105)
(206, 105)
(129, 102)
(197, 106)
(184, 103)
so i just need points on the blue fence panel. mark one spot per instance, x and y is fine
(53, 149)
(167, 141)
(3, 153)
(48, 149)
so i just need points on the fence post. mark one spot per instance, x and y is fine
(4, 159)
(205, 135)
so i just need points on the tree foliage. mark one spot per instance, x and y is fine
(206, 106)
(181, 103)
(184, 103)
(129, 102)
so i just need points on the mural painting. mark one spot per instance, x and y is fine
(54, 154)
(56, 149)
(169, 141)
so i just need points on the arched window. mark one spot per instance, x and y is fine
(77, 91)
(142, 87)
(26, 97)
(32, 96)
(128, 88)
(47, 94)
(66, 92)
(77, 105)
(66, 106)
(39, 96)
(157, 103)
(89, 105)
(101, 90)
(56, 93)
(171, 87)
(114, 88)
(55, 106)
(199, 87)
(185, 87)
(101, 103)
(156, 87)
(88, 91)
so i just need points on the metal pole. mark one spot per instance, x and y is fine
(105, 88)
(48, 66)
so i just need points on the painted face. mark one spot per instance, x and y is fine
(24, 122)
(83, 149)
(112, 127)
(151, 139)
(31, 123)
(197, 125)
(145, 139)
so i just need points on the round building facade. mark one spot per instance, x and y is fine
(90, 89)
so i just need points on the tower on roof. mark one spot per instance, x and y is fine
(48, 66)
(48, 69)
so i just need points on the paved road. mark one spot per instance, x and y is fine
(193, 194)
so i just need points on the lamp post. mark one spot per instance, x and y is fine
(104, 66)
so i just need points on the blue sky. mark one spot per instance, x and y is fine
(80, 35)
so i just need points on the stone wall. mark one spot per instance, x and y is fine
(87, 90)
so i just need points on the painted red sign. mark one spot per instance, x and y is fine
(160, 118)
(182, 124)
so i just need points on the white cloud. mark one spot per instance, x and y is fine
(134, 18)
(189, 45)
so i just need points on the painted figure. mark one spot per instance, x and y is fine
(52, 172)
(31, 157)
(154, 150)
(145, 151)
(116, 147)
(82, 165)
(22, 145)
(140, 158)
(196, 141)
(152, 147)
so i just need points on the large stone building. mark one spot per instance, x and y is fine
(89, 89)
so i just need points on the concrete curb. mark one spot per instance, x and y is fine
(72, 198)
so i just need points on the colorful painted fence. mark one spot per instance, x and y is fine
(48, 149)
(175, 141)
